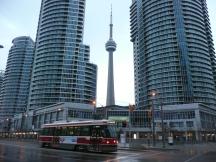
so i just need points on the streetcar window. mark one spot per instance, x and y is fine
(96, 131)
(107, 131)
(104, 131)
(71, 131)
(85, 131)
(58, 131)
(64, 131)
(47, 131)
(77, 131)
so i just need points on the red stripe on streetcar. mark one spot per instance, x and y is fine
(83, 140)
(46, 138)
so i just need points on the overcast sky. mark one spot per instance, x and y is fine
(20, 18)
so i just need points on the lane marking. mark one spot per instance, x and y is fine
(137, 155)
(194, 157)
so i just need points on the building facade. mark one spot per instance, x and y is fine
(33, 120)
(173, 52)
(185, 122)
(16, 81)
(62, 71)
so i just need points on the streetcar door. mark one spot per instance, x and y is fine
(95, 138)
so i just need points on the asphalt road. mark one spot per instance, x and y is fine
(20, 151)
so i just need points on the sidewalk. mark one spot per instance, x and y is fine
(159, 147)
(144, 147)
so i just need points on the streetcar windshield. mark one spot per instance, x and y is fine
(108, 131)
(112, 130)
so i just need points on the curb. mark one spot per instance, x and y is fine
(131, 149)
(149, 148)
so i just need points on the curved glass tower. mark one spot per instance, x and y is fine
(16, 81)
(1, 78)
(1, 81)
(61, 71)
(173, 52)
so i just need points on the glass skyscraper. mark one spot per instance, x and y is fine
(62, 71)
(1, 78)
(1, 81)
(173, 52)
(16, 80)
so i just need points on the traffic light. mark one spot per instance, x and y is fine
(149, 114)
(124, 124)
(131, 108)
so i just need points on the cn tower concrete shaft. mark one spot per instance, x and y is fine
(110, 47)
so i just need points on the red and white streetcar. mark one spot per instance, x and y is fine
(94, 135)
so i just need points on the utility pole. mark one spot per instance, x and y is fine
(129, 126)
(130, 109)
(153, 126)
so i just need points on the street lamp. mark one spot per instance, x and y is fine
(94, 104)
(8, 124)
(162, 125)
(26, 121)
(153, 94)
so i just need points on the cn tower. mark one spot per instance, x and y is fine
(110, 47)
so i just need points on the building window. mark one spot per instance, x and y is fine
(190, 123)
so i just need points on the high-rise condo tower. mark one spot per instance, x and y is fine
(16, 80)
(173, 52)
(62, 71)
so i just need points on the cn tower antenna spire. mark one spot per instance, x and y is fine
(111, 15)
(110, 47)
(111, 24)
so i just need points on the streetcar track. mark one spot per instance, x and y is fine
(48, 152)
